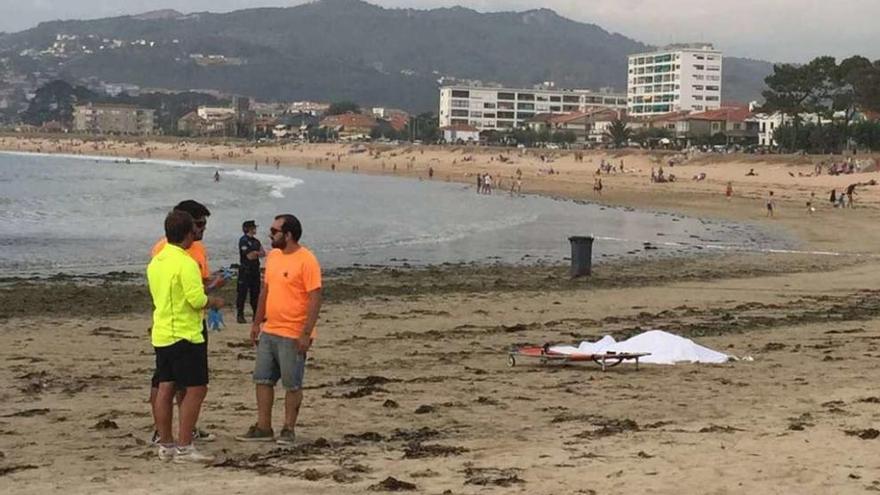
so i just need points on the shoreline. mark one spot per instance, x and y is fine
(770, 242)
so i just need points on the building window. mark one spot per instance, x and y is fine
(459, 113)
(541, 98)
(698, 97)
(506, 96)
(711, 88)
(506, 105)
(459, 121)
(457, 93)
(460, 103)
(526, 96)
(488, 105)
(711, 98)
(524, 115)
(488, 115)
(698, 107)
(525, 106)
(556, 99)
(505, 115)
(571, 99)
(555, 108)
(699, 66)
(697, 87)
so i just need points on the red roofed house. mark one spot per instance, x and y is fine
(351, 125)
(588, 126)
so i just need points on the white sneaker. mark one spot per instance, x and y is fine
(166, 453)
(188, 453)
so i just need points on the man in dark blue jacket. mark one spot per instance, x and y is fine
(249, 251)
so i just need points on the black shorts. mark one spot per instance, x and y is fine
(184, 363)
(154, 381)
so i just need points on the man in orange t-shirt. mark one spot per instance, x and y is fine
(197, 251)
(290, 301)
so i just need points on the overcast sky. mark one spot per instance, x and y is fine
(775, 30)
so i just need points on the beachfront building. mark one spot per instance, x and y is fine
(507, 108)
(681, 77)
(350, 125)
(588, 127)
(460, 133)
(100, 118)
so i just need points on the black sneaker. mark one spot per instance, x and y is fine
(254, 434)
(286, 437)
(202, 435)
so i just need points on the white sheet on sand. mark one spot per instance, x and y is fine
(665, 348)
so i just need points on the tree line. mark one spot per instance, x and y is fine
(835, 93)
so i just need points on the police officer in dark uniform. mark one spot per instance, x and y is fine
(249, 251)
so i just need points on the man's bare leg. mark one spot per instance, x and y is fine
(265, 399)
(163, 412)
(189, 413)
(292, 402)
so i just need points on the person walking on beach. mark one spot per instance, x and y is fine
(771, 204)
(199, 254)
(729, 192)
(249, 253)
(810, 207)
(480, 183)
(850, 191)
(217, 176)
(833, 198)
(284, 328)
(176, 335)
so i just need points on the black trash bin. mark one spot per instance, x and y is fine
(581, 255)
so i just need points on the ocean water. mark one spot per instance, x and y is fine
(84, 215)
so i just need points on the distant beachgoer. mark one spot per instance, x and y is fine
(430, 172)
(833, 198)
(810, 208)
(479, 183)
(217, 176)
(850, 191)
(841, 200)
(771, 204)
(729, 192)
(751, 173)
(597, 186)
(487, 184)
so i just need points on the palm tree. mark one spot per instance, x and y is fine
(618, 133)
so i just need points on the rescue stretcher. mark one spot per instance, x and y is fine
(546, 356)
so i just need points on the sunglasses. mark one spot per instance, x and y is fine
(273, 231)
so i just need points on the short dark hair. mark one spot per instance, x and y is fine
(178, 224)
(194, 208)
(291, 224)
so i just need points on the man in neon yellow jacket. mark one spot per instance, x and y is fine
(178, 299)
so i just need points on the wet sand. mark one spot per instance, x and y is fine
(408, 388)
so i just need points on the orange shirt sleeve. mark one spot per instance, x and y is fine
(158, 247)
(197, 252)
(311, 273)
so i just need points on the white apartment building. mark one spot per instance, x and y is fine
(676, 78)
(507, 108)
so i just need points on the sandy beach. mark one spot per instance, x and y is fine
(408, 388)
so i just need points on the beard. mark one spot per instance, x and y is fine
(279, 243)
